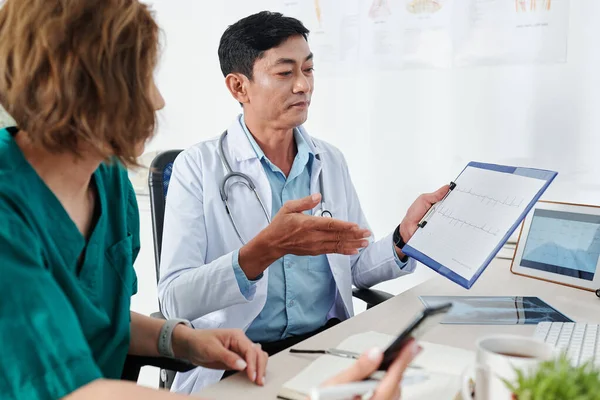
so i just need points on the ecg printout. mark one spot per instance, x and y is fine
(468, 226)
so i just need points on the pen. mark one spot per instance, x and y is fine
(338, 353)
(333, 352)
(423, 221)
(345, 391)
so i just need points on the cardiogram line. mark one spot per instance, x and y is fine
(491, 199)
(448, 215)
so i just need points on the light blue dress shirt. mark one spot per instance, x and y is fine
(301, 289)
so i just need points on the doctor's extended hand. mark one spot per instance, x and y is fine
(293, 232)
(228, 349)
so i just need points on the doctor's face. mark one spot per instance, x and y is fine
(282, 84)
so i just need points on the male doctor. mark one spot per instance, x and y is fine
(291, 278)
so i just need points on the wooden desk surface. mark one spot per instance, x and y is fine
(393, 315)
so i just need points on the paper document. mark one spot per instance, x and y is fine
(435, 374)
(465, 231)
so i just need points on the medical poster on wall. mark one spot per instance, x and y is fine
(406, 33)
(334, 30)
(495, 32)
(381, 42)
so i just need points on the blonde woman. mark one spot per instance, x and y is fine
(76, 75)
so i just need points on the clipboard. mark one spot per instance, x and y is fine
(539, 178)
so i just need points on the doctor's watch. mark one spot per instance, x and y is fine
(397, 238)
(165, 338)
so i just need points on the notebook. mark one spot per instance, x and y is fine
(435, 373)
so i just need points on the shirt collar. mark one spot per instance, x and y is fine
(305, 153)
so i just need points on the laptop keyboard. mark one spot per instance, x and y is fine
(580, 341)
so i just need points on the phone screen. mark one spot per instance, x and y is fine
(422, 323)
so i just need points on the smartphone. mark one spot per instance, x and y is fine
(424, 321)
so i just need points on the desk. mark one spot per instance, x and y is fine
(393, 315)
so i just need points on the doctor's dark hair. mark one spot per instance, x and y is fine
(77, 74)
(247, 40)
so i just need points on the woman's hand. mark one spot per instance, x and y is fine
(389, 387)
(228, 349)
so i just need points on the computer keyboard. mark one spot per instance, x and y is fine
(580, 341)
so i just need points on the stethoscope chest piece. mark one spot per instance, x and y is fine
(324, 213)
(245, 180)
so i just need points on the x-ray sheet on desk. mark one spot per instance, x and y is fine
(503, 310)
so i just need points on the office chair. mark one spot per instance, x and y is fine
(133, 365)
(158, 183)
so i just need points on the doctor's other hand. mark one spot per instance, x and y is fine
(367, 364)
(417, 211)
(293, 232)
(228, 349)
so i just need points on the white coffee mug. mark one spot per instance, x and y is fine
(497, 358)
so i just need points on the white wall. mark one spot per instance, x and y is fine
(414, 129)
(403, 132)
(410, 131)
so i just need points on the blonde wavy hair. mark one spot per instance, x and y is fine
(77, 74)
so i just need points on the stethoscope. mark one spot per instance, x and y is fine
(246, 181)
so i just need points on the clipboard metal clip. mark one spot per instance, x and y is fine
(433, 207)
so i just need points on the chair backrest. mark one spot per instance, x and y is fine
(158, 183)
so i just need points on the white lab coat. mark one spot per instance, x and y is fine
(197, 279)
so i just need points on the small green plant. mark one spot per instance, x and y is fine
(557, 380)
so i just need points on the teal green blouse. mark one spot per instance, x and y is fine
(64, 322)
